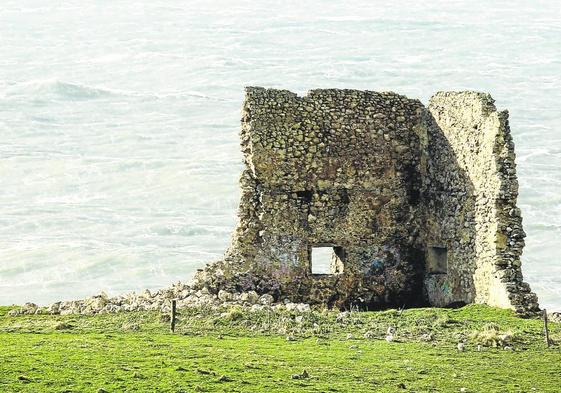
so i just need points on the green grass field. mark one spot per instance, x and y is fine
(236, 350)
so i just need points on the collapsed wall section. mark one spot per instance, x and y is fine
(470, 196)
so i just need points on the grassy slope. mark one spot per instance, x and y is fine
(248, 352)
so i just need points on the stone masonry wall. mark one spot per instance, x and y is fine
(338, 168)
(395, 189)
(471, 204)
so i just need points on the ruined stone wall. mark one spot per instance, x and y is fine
(470, 196)
(419, 205)
(337, 168)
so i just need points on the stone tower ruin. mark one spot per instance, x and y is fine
(417, 204)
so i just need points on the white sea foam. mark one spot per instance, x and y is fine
(119, 121)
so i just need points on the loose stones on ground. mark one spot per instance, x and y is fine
(160, 301)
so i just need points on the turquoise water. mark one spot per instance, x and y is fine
(119, 151)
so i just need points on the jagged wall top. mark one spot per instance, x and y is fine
(299, 142)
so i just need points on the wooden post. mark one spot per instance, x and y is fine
(173, 313)
(545, 329)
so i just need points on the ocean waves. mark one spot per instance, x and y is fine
(56, 90)
(119, 122)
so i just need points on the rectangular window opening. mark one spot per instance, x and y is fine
(437, 260)
(327, 260)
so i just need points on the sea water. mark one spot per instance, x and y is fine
(119, 155)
